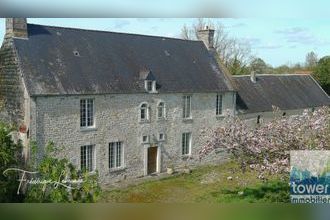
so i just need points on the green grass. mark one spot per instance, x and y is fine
(206, 184)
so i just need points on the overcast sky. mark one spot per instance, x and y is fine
(276, 40)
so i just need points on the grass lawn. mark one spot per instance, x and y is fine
(209, 184)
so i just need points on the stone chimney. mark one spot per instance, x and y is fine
(253, 77)
(16, 27)
(207, 36)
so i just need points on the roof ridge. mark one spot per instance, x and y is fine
(113, 32)
(274, 74)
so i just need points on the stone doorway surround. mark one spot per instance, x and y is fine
(152, 150)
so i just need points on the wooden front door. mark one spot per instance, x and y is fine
(152, 160)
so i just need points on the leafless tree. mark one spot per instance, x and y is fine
(311, 60)
(186, 33)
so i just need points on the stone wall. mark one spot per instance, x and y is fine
(11, 85)
(57, 119)
(251, 118)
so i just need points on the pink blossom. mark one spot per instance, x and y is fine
(267, 147)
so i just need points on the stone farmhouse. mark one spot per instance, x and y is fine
(130, 105)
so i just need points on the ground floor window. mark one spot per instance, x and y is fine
(115, 155)
(219, 105)
(258, 119)
(186, 143)
(87, 158)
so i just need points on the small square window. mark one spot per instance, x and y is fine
(145, 139)
(161, 136)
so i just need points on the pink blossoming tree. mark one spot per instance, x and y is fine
(266, 147)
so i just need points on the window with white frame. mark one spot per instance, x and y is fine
(145, 139)
(161, 110)
(86, 113)
(186, 143)
(115, 155)
(219, 104)
(150, 86)
(87, 158)
(144, 112)
(187, 106)
(161, 137)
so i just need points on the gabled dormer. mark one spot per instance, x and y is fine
(150, 84)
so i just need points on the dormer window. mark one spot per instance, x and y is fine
(149, 80)
(150, 86)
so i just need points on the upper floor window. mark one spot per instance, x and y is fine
(115, 155)
(87, 158)
(161, 110)
(86, 112)
(187, 106)
(144, 112)
(219, 105)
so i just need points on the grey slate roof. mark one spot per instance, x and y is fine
(109, 62)
(284, 91)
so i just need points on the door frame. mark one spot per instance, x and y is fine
(158, 158)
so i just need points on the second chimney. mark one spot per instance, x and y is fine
(207, 36)
(16, 27)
